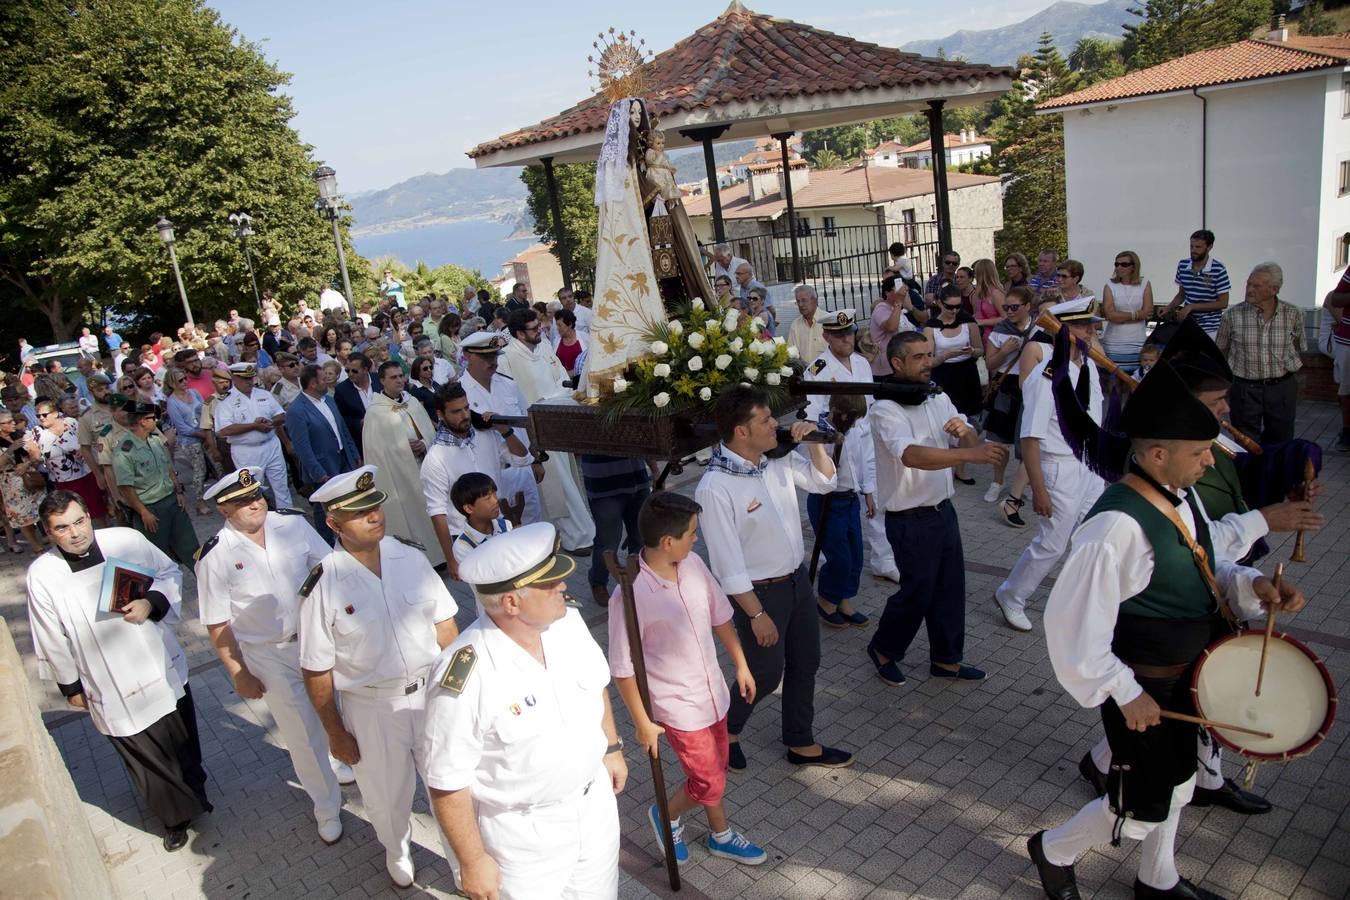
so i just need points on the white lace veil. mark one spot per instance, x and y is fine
(612, 169)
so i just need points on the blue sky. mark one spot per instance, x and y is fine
(391, 89)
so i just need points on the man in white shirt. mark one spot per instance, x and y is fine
(489, 391)
(753, 531)
(805, 333)
(1063, 489)
(88, 344)
(726, 263)
(329, 299)
(569, 303)
(249, 417)
(914, 433)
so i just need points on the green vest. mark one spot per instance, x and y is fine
(1220, 489)
(1177, 590)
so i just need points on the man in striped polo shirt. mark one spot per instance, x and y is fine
(1202, 284)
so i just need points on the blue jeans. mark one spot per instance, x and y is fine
(927, 547)
(842, 546)
(613, 516)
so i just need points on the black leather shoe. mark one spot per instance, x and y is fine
(1183, 890)
(1230, 796)
(1088, 769)
(888, 672)
(829, 757)
(1058, 882)
(176, 839)
(735, 756)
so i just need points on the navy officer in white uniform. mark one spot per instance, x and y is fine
(248, 578)
(373, 617)
(523, 757)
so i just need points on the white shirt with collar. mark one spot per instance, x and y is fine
(504, 399)
(1040, 419)
(520, 734)
(858, 464)
(238, 408)
(469, 539)
(327, 414)
(445, 463)
(752, 524)
(374, 631)
(828, 367)
(255, 589)
(584, 317)
(896, 427)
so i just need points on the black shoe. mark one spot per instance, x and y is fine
(829, 757)
(888, 672)
(1230, 796)
(600, 594)
(735, 756)
(1014, 516)
(1183, 890)
(964, 480)
(832, 619)
(1088, 769)
(176, 838)
(1058, 882)
(964, 672)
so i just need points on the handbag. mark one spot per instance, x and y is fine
(34, 480)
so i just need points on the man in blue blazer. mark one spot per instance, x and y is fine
(323, 444)
(353, 394)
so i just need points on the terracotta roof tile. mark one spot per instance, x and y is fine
(744, 55)
(1241, 61)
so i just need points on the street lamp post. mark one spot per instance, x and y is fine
(165, 228)
(327, 205)
(243, 230)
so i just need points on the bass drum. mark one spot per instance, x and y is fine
(1297, 703)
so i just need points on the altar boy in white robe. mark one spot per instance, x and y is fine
(126, 669)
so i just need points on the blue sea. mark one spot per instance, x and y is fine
(476, 244)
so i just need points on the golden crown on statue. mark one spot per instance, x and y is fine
(621, 62)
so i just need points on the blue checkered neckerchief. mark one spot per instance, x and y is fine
(720, 462)
(446, 436)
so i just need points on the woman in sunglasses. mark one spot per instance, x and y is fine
(956, 343)
(1127, 304)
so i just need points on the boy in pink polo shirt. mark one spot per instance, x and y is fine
(680, 606)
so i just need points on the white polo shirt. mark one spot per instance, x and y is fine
(237, 408)
(895, 428)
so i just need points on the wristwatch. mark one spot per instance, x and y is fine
(615, 747)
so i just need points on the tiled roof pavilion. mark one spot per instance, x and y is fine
(759, 75)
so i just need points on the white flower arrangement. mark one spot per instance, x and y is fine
(751, 374)
(732, 320)
(792, 351)
(705, 394)
(773, 379)
(695, 363)
(696, 303)
(722, 362)
(675, 327)
(660, 348)
(738, 345)
(697, 340)
(662, 370)
(661, 399)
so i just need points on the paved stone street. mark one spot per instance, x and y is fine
(949, 781)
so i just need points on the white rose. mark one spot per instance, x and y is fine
(661, 399)
(662, 370)
(620, 385)
(732, 320)
(785, 371)
(696, 339)
(705, 394)
(695, 363)
(751, 374)
(675, 327)
(757, 322)
(722, 361)
(779, 340)
(697, 303)
(792, 352)
(761, 348)
(659, 348)
(738, 344)
(773, 379)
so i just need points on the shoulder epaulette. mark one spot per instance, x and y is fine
(311, 580)
(818, 366)
(504, 375)
(125, 446)
(206, 548)
(289, 512)
(409, 541)
(461, 667)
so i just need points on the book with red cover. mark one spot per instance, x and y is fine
(123, 582)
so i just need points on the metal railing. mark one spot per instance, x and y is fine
(843, 263)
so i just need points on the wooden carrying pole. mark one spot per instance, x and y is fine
(625, 576)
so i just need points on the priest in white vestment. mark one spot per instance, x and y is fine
(395, 436)
(539, 375)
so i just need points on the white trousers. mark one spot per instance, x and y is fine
(567, 850)
(1094, 826)
(1073, 489)
(278, 668)
(564, 502)
(388, 732)
(267, 456)
(1208, 762)
(879, 554)
(520, 480)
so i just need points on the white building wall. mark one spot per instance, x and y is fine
(1334, 219)
(1134, 182)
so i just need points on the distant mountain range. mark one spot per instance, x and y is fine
(1067, 22)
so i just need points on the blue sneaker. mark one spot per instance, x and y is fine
(676, 832)
(738, 848)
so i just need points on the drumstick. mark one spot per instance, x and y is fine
(1309, 476)
(1210, 723)
(1270, 627)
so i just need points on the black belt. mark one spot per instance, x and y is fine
(1266, 381)
(844, 495)
(778, 579)
(920, 510)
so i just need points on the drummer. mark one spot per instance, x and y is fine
(1127, 620)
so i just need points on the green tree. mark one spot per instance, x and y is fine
(421, 280)
(1097, 60)
(1031, 156)
(580, 221)
(1314, 21)
(115, 112)
(828, 159)
(1170, 28)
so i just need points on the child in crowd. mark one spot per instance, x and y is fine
(680, 606)
(1148, 358)
(841, 573)
(475, 495)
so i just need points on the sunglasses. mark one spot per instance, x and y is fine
(1126, 264)
(1011, 307)
(951, 262)
(355, 371)
(949, 306)
(1063, 275)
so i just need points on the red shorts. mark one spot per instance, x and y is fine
(703, 757)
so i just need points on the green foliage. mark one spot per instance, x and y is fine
(1097, 60)
(827, 159)
(1313, 20)
(1170, 28)
(115, 112)
(1031, 156)
(580, 220)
